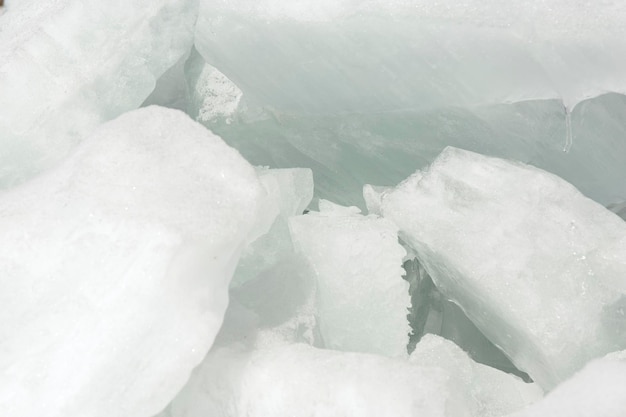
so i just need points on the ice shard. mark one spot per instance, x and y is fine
(115, 266)
(362, 299)
(66, 66)
(537, 266)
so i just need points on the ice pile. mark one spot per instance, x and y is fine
(147, 268)
(538, 267)
(115, 267)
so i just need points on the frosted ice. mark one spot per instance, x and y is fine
(494, 392)
(66, 66)
(300, 380)
(362, 298)
(114, 268)
(538, 267)
(596, 391)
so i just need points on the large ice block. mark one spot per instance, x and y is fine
(66, 66)
(368, 91)
(362, 299)
(114, 267)
(537, 266)
(371, 56)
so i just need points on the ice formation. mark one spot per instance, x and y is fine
(362, 299)
(66, 66)
(367, 91)
(146, 268)
(597, 390)
(115, 267)
(538, 267)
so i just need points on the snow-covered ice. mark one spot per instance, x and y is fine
(115, 267)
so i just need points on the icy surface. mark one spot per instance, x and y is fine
(66, 66)
(290, 191)
(494, 393)
(599, 390)
(115, 267)
(362, 299)
(538, 267)
(368, 91)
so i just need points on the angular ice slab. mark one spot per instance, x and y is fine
(495, 393)
(362, 299)
(66, 66)
(599, 390)
(114, 267)
(538, 267)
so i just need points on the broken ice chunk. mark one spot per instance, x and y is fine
(300, 381)
(291, 191)
(66, 66)
(495, 393)
(538, 267)
(114, 268)
(598, 390)
(362, 297)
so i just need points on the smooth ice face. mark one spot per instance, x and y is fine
(368, 91)
(115, 267)
(538, 267)
(369, 56)
(66, 66)
(597, 390)
(495, 393)
(362, 299)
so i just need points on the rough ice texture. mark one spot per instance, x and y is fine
(362, 299)
(66, 66)
(538, 267)
(494, 392)
(114, 267)
(299, 380)
(599, 390)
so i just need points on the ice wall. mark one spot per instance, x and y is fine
(366, 91)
